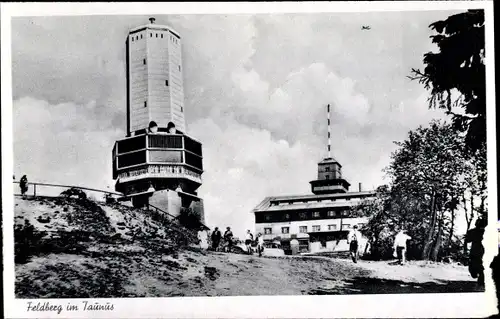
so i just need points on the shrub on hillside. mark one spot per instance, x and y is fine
(189, 219)
(26, 240)
(74, 192)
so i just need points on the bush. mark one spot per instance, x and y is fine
(26, 240)
(74, 192)
(189, 219)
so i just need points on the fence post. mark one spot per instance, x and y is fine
(34, 190)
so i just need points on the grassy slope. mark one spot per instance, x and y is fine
(154, 260)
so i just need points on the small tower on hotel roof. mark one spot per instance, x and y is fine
(330, 179)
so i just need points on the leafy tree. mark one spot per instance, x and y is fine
(426, 182)
(455, 75)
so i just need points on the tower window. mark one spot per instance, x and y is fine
(327, 169)
(141, 36)
(166, 82)
(162, 36)
(327, 176)
(151, 35)
(156, 35)
(132, 39)
(144, 61)
(179, 68)
(328, 134)
(145, 104)
(182, 109)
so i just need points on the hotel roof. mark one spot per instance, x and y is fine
(298, 202)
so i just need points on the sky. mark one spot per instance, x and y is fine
(256, 89)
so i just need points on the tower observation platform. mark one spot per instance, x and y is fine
(157, 163)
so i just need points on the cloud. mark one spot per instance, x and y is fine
(256, 90)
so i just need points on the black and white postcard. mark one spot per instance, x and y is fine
(277, 160)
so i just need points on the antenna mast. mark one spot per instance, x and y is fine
(328, 122)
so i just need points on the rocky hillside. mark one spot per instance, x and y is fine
(67, 247)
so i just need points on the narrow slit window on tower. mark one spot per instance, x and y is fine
(144, 61)
(132, 39)
(182, 109)
(179, 68)
(328, 134)
(156, 35)
(151, 35)
(145, 103)
(328, 121)
(141, 35)
(162, 36)
(166, 82)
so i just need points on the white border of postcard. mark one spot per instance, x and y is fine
(346, 306)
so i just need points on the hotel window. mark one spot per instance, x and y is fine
(315, 214)
(346, 226)
(285, 230)
(331, 213)
(303, 215)
(317, 228)
(287, 216)
(302, 229)
(267, 217)
(332, 227)
(268, 231)
(166, 82)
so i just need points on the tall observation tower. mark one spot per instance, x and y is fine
(330, 179)
(157, 163)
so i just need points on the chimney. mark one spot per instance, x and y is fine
(152, 20)
(360, 189)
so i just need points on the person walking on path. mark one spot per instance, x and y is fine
(23, 184)
(248, 241)
(260, 244)
(475, 237)
(353, 240)
(228, 237)
(216, 236)
(400, 246)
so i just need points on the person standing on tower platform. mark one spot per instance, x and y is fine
(216, 236)
(353, 240)
(171, 128)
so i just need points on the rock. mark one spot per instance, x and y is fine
(56, 212)
(43, 219)
(211, 272)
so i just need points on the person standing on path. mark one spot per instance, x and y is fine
(203, 238)
(23, 184)
(228, 237)
(353, 240)
(475, 236)
(400, 246)
(216, 236)
(260, 244)
(248, 241)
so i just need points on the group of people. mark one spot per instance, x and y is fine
(216, 238)
(400, 244)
